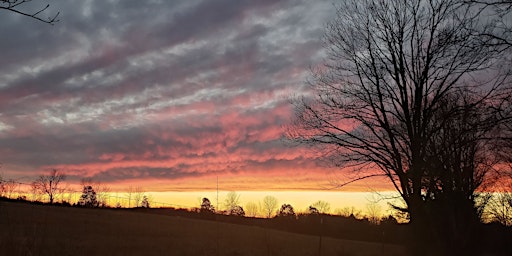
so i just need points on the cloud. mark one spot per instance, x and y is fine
(165, 90)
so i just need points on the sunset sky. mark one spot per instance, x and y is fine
(167, 95)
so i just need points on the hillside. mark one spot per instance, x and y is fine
(29, 229)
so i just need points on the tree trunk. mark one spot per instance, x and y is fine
(447, 227)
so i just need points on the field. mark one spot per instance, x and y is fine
(28, 229)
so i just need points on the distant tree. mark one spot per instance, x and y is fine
(145, 202)
(2, 187)
(251, 209)
(35, 193)
(373, 211)
(206, 206)
(129, 194)
(232, 200)
(88, 197)
(9, 188)
(138, 195)
(237, 210)
(102, 190)
(313, 210)
(498, 208)
(269, 205)
(16, 7)
(286, 210)
(49, 184)
(322, 206)
(349, 212)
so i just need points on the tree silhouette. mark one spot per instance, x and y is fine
(404, 94)
(49, 184)
(102, 190)
(232, 200)
(269, 205)
(16, 6)
(373, 211)
(251, 209)
(206, 206)
(322, 206)
(286, 210)
(313, 210)
(236, 210)
(145, 202)
(88, 197)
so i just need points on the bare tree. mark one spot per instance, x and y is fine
(322, 206)
(9, 188)
(35, 192)
(405, 94)
(49, 184)
(374, 212)
(232, 200)
(17, 6)
(498, 208)
(269, 205)
(138, 195)
(251, 209)
(349, 212)
(129, 194)
(2, 187)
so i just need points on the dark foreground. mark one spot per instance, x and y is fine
(28, 229)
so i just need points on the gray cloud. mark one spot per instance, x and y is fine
(169, 89)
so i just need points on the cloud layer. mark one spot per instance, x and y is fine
(169, 92)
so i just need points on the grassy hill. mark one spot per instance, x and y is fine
(28, 229)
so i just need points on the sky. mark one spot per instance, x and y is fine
(166, 95)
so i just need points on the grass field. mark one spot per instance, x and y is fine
(28, 229)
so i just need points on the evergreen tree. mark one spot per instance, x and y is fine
(145, 202)
(88, 198)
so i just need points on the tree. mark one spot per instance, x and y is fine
(236, 210)
(232, 200)
(9, 187)
(322, 206)
(16, 7)
(129, 194)
(206, 206)
(286, 210)
(145, 202)
(313, 210)
(499, 208)
(138, 195)
(405, 94)
(373, 211)
(49, 184)
(2, 187)
(269, 205)
(102, 190)
(349, 212)
(251, 209)
(88, 197)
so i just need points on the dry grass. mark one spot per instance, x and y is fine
(49, 230)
